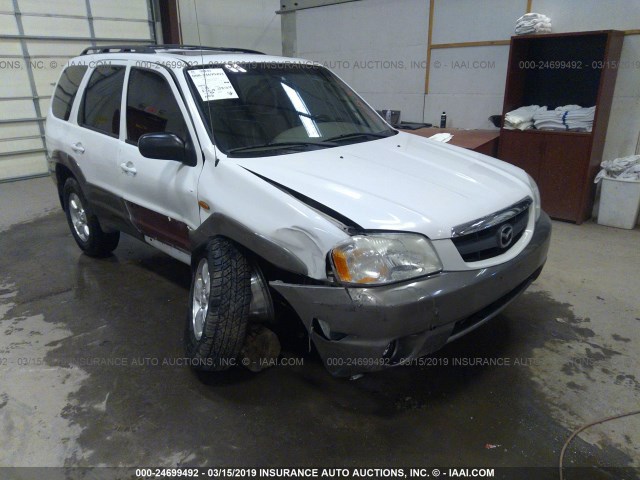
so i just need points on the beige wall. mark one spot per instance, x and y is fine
(251, 24)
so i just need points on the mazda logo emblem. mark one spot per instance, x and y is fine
(505, 235)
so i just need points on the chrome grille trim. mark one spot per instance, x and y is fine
(491, 220)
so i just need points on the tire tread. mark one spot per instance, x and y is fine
(226, 324)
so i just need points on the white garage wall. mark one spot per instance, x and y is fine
(377, 46)
(473, 21)
(37, 37)
(397, 30)
(251, 24)
(468, 83)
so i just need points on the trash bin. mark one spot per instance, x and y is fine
(619, 203)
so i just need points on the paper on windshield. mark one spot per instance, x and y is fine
(213, 84)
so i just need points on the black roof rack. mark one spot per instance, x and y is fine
(155, 48)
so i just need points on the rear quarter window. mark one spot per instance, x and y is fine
(66, 91)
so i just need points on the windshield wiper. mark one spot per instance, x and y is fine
(282, 145)
(354, 135)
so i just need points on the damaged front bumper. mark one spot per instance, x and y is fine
(365, 329)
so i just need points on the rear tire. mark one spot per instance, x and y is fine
(218, 307)
(84, 226)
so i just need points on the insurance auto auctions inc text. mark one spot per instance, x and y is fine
(375, 473)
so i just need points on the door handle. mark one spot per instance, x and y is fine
(128, 168)
(77, 147)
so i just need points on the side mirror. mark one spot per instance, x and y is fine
(166, 146)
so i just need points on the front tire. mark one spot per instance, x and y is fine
(218, 307)
(84, 226)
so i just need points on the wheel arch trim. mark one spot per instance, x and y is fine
(219, 224)
(61, 159)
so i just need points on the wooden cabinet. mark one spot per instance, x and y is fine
(556, 70)
(564, 180)
(556, 160)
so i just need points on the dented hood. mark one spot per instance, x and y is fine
(401, 183)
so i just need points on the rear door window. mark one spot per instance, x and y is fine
(100, 109)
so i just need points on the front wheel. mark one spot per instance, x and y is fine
(218, 307)
(84, 226)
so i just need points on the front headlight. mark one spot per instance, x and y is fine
(383, 258)
(536, 196)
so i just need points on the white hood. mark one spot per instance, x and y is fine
(401, 183)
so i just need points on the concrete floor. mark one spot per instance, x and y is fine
(571, 343)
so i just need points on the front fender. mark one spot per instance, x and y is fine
(265, 220)
(219, 224)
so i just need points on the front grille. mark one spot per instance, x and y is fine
(483, 244)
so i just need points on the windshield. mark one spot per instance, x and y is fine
(261, 109)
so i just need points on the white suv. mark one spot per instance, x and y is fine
(282, 188)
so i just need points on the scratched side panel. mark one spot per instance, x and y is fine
(159, 227)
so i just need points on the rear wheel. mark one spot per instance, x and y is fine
(218, 307)
(84, 226)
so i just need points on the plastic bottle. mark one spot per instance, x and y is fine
(443, 120)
